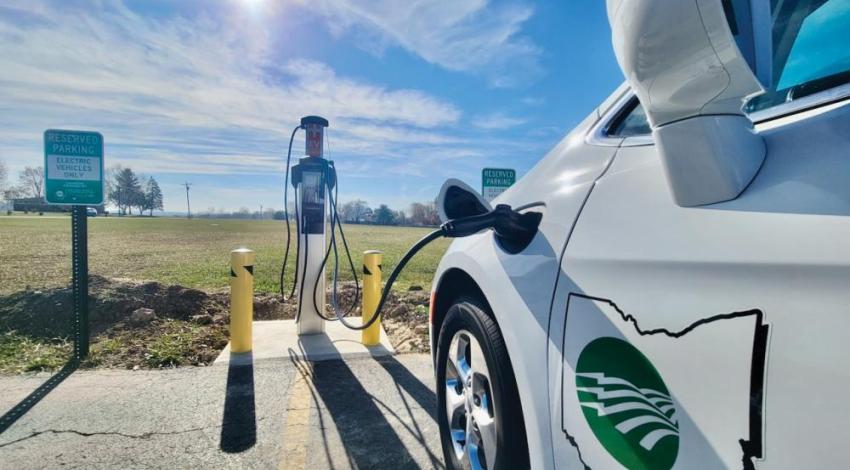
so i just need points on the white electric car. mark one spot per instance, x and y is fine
(686, 300)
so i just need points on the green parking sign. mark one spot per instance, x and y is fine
(73, 167)
(495, 181)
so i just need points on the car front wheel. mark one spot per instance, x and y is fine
(479, 411)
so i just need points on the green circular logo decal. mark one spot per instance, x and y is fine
(627, 405)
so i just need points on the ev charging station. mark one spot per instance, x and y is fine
(313, 181)
(315, 185)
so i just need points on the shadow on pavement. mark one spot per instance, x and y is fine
(411, 384)
(369, 440)
(239, 420)
(33, 398)
(427, 400)
(361, 419)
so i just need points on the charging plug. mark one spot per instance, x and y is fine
(513, 229)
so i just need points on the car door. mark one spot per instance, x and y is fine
(713, 336)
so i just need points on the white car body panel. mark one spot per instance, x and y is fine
(782, 247)
(710, 417)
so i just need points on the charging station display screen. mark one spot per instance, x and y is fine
(312, 186)
(313, 202)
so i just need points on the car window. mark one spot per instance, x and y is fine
(632, 123)
(810, 50)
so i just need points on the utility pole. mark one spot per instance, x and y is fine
(261, 212)
(188, 207)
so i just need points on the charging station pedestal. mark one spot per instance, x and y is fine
(309, 177)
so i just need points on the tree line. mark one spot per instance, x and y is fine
(127, 191)
(352, 212)
(359, 212)
(124, 188)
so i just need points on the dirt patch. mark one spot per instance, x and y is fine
(404, 317)
(133, 324)
(151, 325)
(405, 314)
(48, 313)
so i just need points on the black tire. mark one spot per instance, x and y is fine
(512, 449)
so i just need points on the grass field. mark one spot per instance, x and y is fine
(36, 251)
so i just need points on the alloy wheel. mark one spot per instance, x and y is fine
(469, 402)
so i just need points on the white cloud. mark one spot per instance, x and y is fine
(472, 36)
(320, 90)
(532, 101)
(207, 94)
(497, 121)
(201, 86)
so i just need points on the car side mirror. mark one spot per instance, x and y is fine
(458, 199)
(684, 61)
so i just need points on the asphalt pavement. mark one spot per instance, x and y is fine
(288, 414)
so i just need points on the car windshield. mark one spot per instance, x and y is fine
(810, 50)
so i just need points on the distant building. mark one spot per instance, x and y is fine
(37, 204)
(34, 204)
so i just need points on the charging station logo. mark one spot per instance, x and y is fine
(627, 405)
(313, 140)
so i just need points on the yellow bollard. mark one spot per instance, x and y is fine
(371, 295)
(241, 299)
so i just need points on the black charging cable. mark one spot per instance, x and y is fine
(336, 223)
(288, 228)
(511, 227)
(439, 233)
(356, 300)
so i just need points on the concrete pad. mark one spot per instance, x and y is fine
(278, 339)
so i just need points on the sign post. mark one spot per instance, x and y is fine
(73, 173)
(495, 181)
(80, 280)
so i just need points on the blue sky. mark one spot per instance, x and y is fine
(208, 91)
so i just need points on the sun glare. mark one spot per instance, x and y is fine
(253, 4)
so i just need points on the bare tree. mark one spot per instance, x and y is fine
(4, 173)
(400, 217)
(109, 177)
(31, 181)
(424, 214)
(356, 211)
